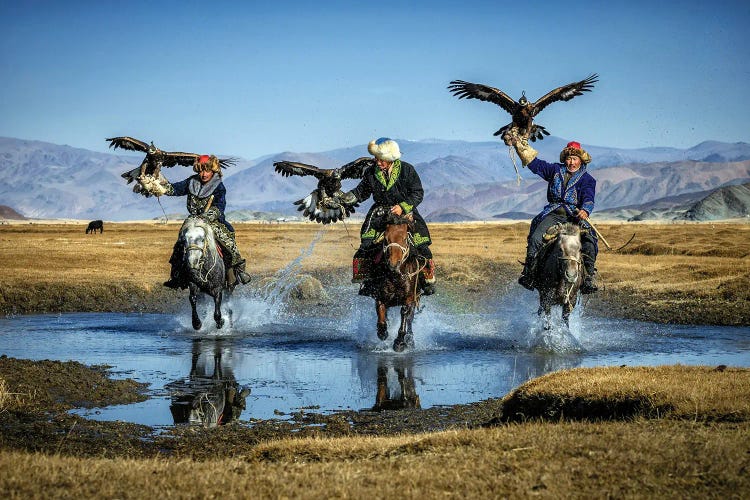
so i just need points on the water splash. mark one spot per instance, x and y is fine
(266, 304)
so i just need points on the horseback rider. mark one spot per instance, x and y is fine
(206, 197)
(570, 196)
(395, 184)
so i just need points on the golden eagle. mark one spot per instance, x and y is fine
(323, 203)
(156, 158)
(522, 111)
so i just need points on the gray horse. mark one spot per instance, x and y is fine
(204, 266)
(559, 271)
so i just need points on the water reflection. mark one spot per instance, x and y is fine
(210, 395)
(324, 363)
(405, 395)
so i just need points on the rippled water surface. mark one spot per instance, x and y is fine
(336, 362)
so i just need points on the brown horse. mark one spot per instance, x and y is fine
(396, 277)
(559, 271)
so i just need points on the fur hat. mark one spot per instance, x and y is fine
(384, 149)
(205, 162)
(574, 149)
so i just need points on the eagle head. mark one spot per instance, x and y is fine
(523, 101)
(152, 149)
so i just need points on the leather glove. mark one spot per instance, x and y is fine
(348, 198)
(151, 185)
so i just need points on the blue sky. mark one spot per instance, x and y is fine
(235, 78)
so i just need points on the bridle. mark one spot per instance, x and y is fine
(201, 260)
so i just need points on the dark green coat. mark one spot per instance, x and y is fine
(404, 188)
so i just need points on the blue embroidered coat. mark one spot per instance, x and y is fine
(198, 195)
(579, 193)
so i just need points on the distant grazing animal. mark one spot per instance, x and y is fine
(155, 159)
(204, 266)
(522, 111)
(559, 271)
(94, 225)
(321, 205)
(395, 275)
(210, 395)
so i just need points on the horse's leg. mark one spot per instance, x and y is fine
(217, 309)
(566, 310)
(382, 319)
(405, 337)
(194, 306)
(545, 306)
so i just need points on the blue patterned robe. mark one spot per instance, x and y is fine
(579, 193)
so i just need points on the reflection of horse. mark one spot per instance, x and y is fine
(407, 397)
(210, 396)
(204, 266)
(396, 276)
(559, 271)
(95, 225)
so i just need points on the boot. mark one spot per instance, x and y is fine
(428, 278)
(526, 279)
(367, 288)
(589, 283)
(360, 269)
(240, 274)
(176, 281)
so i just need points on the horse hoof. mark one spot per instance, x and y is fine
(399, 345)
(197, 325)
(382, 332)
(220, 324)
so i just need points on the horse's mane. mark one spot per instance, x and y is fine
(570, 229)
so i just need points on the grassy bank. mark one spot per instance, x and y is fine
(695, 447)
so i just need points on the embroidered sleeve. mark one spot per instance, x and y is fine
(178, 188)
(587, 193)
(543, 169)
(415, 192)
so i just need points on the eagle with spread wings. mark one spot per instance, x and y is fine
(155, 159)
(323, 204)
(522, 111)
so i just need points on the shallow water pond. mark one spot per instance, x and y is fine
(288, 363)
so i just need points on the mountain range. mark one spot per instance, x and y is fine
(462, 180)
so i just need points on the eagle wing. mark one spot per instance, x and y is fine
(172, 158)
(289, 168)
(462, 89)
(356, 169)
(127, 143)
(566, 92)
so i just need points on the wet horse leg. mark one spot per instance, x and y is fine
(545, 306)
(382, 319)
(193, 305)
(217, 309)
(405, 337)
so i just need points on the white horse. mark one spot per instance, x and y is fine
(204, 266)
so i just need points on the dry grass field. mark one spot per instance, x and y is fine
(674, 432)
(681, 273)
(694, 446)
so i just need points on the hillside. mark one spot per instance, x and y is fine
(46, 180)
